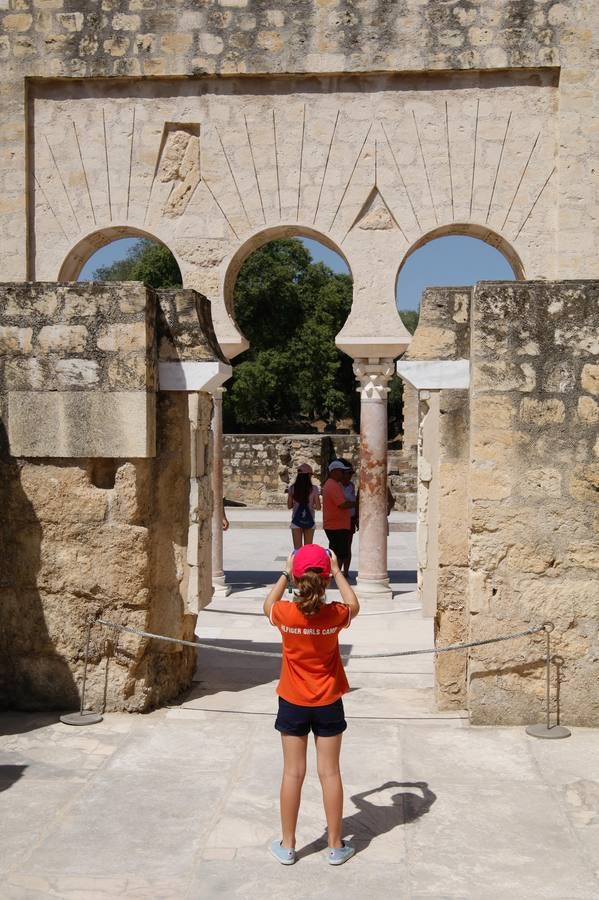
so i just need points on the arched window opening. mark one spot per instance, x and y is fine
(291, 298)
(450, 260)
(454, 260)
(133, 259)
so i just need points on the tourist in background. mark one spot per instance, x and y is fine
(337, 512)
(350, 494)
(303, 498)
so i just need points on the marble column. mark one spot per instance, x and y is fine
(221, 589)
(373, 378)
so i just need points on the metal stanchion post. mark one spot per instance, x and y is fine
(82, 717)
(548, 730)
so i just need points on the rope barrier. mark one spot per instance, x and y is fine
(542, 731)
(536, 629)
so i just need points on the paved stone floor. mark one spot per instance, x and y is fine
(182, 803)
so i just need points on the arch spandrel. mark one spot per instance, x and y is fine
(373, 163)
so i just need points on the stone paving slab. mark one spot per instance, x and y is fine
(251, 517)
(181, 803)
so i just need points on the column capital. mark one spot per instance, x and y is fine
(373, 377)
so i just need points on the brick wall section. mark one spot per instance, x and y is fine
(534, 541)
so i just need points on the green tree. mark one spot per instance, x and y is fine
(146, 261)
(290, 309)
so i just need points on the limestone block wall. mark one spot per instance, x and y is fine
(258, 468)
(125, 536)
(78, 376)
(534, 482)
(129, 40)
(443, 333)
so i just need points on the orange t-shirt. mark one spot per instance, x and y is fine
(312, 673)
(333, 496)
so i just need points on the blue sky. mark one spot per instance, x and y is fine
(451, 260)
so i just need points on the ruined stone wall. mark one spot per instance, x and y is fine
(258, 468)
(534, 482)
(122, 100)
(102, 530)
(443, 333)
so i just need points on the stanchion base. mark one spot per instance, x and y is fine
(554, 732)
(86, 718)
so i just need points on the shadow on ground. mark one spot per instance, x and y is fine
(9, 775)
(17, 722)
(413, 800)
(247, 579)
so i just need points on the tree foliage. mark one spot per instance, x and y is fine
(146, 261)
(290, 309)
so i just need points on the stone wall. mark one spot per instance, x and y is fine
(258, 468)
(78, 373)
(443, 333)
(534, 482)
(92, 534)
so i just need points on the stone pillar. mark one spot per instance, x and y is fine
(373, 378)
(428, 502)
(221, 589)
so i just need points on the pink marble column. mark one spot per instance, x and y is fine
(373, 378)
(218, 576)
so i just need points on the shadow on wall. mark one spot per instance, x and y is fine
(33, 674)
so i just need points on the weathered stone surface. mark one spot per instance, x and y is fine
(107, 343)
(82, 423)
(62, 338)
(542, 412)
(588, 410)
(122, 338)
(534, 541)
(590, 378)
(108, 533)
(15, 340)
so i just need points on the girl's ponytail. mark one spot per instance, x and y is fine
(311, 588)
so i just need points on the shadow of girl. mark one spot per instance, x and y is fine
(413, 799)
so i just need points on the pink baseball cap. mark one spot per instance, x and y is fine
(311, 556)
(305, 469)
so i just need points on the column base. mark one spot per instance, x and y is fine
(374, 590)
(220, 587)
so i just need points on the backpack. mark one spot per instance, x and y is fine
(303, 517)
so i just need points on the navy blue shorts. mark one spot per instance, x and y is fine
(324, 721)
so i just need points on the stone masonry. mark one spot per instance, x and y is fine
(99, 523)
(258, 468)
(508, 472)
(443, 333)
(534, 483)
(373, 127)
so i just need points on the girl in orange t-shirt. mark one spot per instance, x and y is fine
(310, 689)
